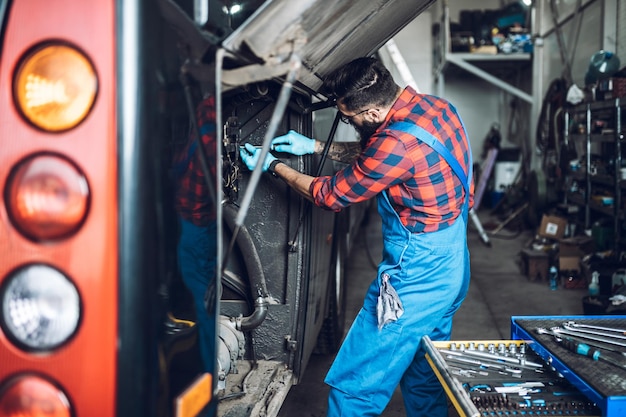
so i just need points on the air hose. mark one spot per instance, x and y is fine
(253, 267)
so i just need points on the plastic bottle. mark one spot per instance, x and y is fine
(554, 276)
(594, 286)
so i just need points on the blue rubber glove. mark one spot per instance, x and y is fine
(294, 143)
(250, 156)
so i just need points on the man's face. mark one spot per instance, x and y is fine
(362, 122)
(365, 130)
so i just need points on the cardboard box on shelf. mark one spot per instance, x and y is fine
(552, 227)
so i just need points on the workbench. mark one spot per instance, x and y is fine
(533, 374)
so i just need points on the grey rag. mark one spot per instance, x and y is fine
(389, 307)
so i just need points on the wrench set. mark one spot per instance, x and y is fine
(506, 378)
(590, 351)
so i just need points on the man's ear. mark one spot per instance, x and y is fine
(375, 115)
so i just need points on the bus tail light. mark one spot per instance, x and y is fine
(31, 396)
(47, 197)
(55, 87)
(40, 308)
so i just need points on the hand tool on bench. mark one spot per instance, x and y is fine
(589, 336)
(585, 350)
(484, 365)
(578, 326)
(581, 339)
(495, 357)
(596, 332)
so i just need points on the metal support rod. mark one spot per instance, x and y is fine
(490, 78)
(481, 232)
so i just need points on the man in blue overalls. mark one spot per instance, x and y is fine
(415, 158)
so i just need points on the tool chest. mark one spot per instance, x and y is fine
(534, 374)
(602, 382)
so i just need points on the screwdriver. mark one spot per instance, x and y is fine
(586, 350)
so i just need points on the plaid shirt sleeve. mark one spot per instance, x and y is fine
(376, 169)
(422, 187)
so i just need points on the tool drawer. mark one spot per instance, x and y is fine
(555, 365)
(503, 378)
(602, 378)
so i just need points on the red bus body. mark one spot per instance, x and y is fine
(85, 368)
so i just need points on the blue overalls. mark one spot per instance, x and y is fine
(196, 258)
(430, 273)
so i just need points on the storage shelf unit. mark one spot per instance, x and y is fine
(595, 129)
(483, 65)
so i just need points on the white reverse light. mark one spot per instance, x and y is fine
(40, 307)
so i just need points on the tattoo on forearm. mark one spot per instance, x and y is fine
(342, 151)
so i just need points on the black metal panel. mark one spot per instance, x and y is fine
(136, 395)
(293, 240)
(147, 56)
(269, 339)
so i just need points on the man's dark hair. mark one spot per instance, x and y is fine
(360, 83)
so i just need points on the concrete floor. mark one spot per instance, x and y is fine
(498, 290)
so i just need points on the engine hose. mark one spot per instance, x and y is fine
(252, 263)
(255, 319)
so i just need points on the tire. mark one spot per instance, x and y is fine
(333, 327)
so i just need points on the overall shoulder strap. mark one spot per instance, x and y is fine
(428, 138)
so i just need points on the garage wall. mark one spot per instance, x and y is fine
(414, 44)
(580, 39)
(621, 31)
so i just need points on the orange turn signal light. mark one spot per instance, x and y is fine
(55, 87)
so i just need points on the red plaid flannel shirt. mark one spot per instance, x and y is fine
(193, 201)
(422, 187)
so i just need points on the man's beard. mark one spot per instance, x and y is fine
(365, 131)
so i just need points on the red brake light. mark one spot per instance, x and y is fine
(31, 395)
(47, 197)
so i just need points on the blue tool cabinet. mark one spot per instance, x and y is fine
(603, 383)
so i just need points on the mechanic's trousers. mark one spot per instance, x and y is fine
(197, 260)
(430, 272)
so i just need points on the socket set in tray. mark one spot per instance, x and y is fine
(503, 378)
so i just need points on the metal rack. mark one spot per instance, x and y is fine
(582, 133)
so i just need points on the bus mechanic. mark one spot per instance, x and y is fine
(415, 158)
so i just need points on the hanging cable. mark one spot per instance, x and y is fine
(320, 167)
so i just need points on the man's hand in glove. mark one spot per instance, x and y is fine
(294, 143)
(250, 156)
